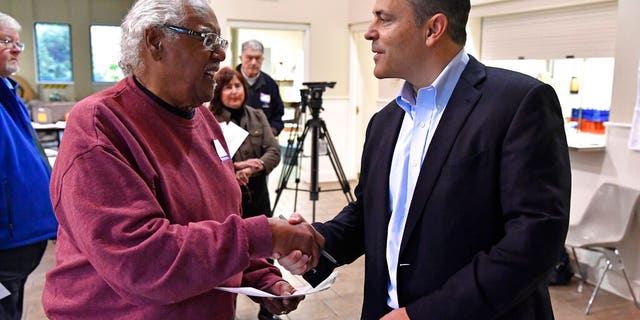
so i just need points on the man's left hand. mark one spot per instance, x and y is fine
(281, 305)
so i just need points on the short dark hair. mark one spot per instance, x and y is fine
(223, 77)
(457, 11)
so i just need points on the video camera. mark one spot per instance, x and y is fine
(312, 95)
(319, 85)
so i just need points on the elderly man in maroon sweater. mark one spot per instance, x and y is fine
(145, 192)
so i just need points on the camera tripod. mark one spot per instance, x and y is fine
(311, 98)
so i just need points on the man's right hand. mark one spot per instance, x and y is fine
(302, 237)
(296, 261)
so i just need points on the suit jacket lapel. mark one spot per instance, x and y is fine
(379, 147)
(461, 103)
(386, 137)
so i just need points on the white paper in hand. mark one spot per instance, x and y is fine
(234, 135)
(303, 291)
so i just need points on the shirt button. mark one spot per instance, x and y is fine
(414, 164)
(422, 124)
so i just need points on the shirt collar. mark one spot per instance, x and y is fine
(250, 80)
(8, 83)
(179, 112)
(443, 85)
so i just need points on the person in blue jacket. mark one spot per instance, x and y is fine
(27, 220)
(264, 93)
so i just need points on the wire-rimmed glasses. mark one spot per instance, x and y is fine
(211, 41)
(11, 44)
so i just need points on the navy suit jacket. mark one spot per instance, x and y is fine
(489, 214)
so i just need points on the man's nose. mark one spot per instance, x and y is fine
(218, 54)
(371, 33)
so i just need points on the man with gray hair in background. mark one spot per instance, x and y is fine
(264, 93)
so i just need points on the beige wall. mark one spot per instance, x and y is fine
(329, 35)
(499, 7)
(360, 11)
(627, 58)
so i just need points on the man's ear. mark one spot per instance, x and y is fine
(153, 42)
(435, 28)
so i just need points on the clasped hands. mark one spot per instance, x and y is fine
(245, 169)
(303, 244)
(296, 244)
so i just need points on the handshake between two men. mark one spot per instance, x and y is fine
(296, 244)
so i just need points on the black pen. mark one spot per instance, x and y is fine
(322, 252)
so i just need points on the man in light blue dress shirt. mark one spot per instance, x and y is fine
(463, 198)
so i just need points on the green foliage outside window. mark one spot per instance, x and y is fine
(53, 52)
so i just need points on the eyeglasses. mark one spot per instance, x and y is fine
(10, 44)
(211, 41)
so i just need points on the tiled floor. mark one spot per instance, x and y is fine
(344, 300)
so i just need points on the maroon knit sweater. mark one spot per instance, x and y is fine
(149, 215)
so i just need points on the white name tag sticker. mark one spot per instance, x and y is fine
(265, 98)
(222, 154)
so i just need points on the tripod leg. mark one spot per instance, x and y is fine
(335, 162)
(315, 189)
(289, 162)
(297, 180)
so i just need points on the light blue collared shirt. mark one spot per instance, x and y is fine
(8, 83)
(422, 115)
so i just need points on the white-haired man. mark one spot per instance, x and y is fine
(145, 191)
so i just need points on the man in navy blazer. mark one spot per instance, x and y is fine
(463, 198)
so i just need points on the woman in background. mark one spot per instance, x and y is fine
(259, 153)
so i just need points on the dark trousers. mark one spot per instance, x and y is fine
(255, 202)
(15, 265)
(255, 198)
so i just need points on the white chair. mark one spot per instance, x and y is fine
(603, 227)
